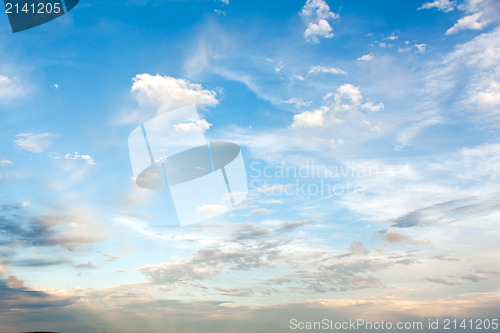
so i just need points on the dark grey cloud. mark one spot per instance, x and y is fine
(250, 231)
(447, 257)
(293, 225)
(441, 281)
(208, 262)
(65, 228)
(24, 298)
(37, 262)
(449, 211)
(88, 265)
(17, 223)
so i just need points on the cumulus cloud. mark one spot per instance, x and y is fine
(370, 106)
(199, 125)
(320, 130)
(308, 119)
(348, 93)
(330, 70)
(366, 57)
(317, 9)
(298, 102)
(14, 282)
(168, 93)
(392, 37)
(76, 156)
(441, 5)
(490, 97)
(475, 21)
(322, 28)
(35, 143)
(317, 14)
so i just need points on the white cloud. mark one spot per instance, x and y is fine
(5, 163)
(490, 97)
(342, 119)
(421, 47)
(372, 107)
(260, 211)
(330, 70)
(279, 67)
(309, 119)
(298, 102)
(349, 92)
(8, 88)
(201, 124)
(366, 57)
(168, 93)
(226, 2)
(35, 143)
(468, 72)
(441, 5)
(317, 9)
(298, 77)
(317, 14)
(212, 209)
(76, 156)
(471, 22)
(322, 29)
(406, 136)
(472, 6)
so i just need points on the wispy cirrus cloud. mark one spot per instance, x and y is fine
(330, 70)
(476, 21)
(35, 142)
(9, 89)
(5, 163)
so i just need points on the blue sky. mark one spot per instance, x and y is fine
(369, 131)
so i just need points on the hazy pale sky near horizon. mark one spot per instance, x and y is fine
(370, 135)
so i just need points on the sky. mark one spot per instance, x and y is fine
(370, 137)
